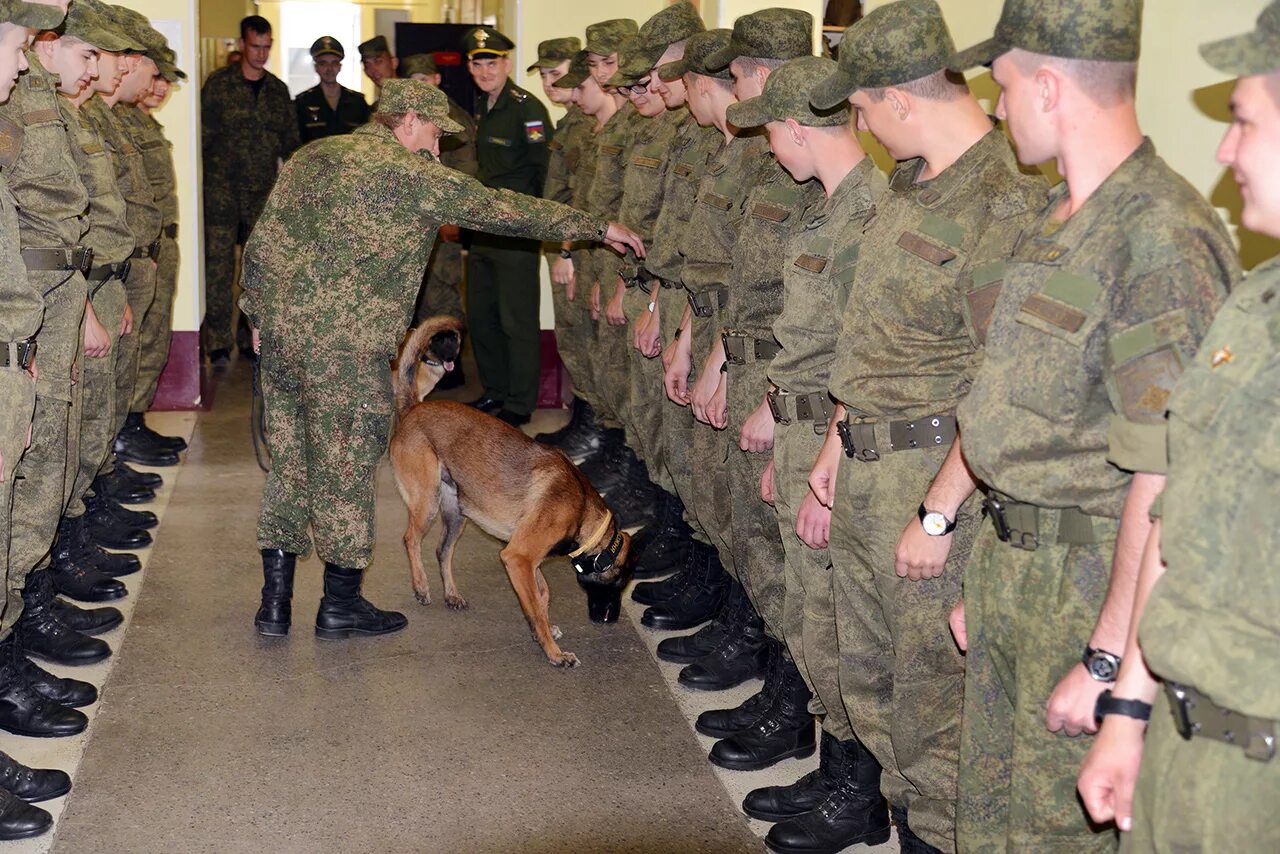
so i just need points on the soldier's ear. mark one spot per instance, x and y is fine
(395, 63)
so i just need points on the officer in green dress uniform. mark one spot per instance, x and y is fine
(329, 108)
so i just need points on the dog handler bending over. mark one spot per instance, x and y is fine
(330, 298)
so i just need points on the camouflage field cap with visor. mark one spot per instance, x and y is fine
(578, 72)
(696, 50)
(138, 28)
(1256, 52)
(895, 44)
(552, 52)
(786, 96)
(635, 62)
(91, 22)
(607, 37)
(673, 24)
(374, 48)
(415, 96)
(37, 16)
(767, 34)
(418, 63)
(1104, 30)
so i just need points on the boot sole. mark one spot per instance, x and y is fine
(26, 834)
(795, 753)
(773, 817)
(343, 634)
(94, 631)
(875, 837)
(272, 630)
(665, 626)
(33, 734)
(108, 597)
(679, 659)
(72, 662)
(46, 797)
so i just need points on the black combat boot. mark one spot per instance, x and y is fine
(177, 444)
(149, 479)
(19, 819)
(696, 603)
(276, 611)
(779, 803)
(907, 840)
(116, 487)
(653, 592)
(722, 723)
(134, 445)
(666, 542)
(110, 564)
(728, 620)
(75, 575)
(853, 813)
(344, 612)
(635, 501)
(741, 654)
(32, 784)
(41, 634)
(112, 511)
(609, 469)
(88, 621)
(554, 438)
(64, 691)
(785, 730)
(25, 712)
(113, 531)
(586, 438)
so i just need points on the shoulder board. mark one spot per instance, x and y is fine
(519, 95)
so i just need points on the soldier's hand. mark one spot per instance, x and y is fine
(766, 484)
(1071, 705)
(613, 311)
(126, 323)
(34, 373)
(919, 555)
(822, 478)
(756, 435)
(718, 408)
(593, 301)
(622, 238)
(97, 341)
(704, 389)
(959, 630)
(1110, 771)
(813, 522)
(257, 339)
(562, 273)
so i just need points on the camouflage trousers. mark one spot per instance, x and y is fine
(808, 612)
(17, 406)
(647, 397)
(99, 415)
(441, 292)
(140, 290)
(1200, 794)
(612, 366)
(503, 291)
(709, 457)
(757, 545)
(40, 479)
(328, 422)
(901, 676)
(156, 328)
(573, 333)
(677, 421)
(1028, 615)
(220, 240)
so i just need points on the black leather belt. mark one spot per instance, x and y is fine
(18, 354)
(741, 349)
(59, 258)
(816, 406)
(1194, 714)
(151, 250)
(103, 272)
(861, 442)
(171, 231)
(1026, 526)
(705, 303)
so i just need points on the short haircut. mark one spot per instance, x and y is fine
(941, 85)
(388, 120)
(749, 64)
(725, 83)
(256, 24)
(1106, 83)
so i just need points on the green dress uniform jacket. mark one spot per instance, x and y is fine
(511, 141)
(316, 119)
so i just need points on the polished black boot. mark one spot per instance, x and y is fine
(110, 564)
(106, 529)
(19, 819)
(635, 502)
(608, 470)
(73, 693)
(25, 712)
(786, 729)
(42, 635)
(276, 611)
(554, 438)
(74, 575)
(779, 803)
(585, 438)
(344, 612)
(741, 654)
(722, 723)
(108, 510)
(653, 592)
(177, 444)
(908, 842)
(696, 603)
(32, 784)
(117, 488)
(666, 543)
(854, 813)
(728, 620)
(89, 621)
(149, 479)
(134, 445)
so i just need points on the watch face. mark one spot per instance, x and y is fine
(935, 524)
(1102, 668)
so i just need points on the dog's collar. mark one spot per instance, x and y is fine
(595, 539)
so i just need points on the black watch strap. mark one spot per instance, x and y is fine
(1110, 705)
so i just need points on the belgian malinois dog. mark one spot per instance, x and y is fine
(454, 460)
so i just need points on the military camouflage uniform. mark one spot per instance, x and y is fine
(244, 136)
(1093, 324)
(574, 136)
(818, 271)
(442, 291)
(326, 381)
(157, 326)
(35, 157)
(580, 330)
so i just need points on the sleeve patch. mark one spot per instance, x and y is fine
(535, 131)
(1144, 385)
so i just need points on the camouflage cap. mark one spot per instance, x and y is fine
(696, 50)
(418, 63)
(635, 62)
(35, 15)
(91, 22)
(786, 96)
(327, 46)
(138, 28)
(675, 23)
(374, 47)
(767, 34)
(486, 43)
(171, 72)
(1257, 52)
(895, 44)
(1107, 30)
(607, 37)
(578, 72)
(404, 96)
(552, 52)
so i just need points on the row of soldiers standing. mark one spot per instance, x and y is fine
(88, 229)
(900, 439)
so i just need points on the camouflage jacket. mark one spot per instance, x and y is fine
(511, 141)
(580, 180)
(109, 235)
(243, 137)
(1095, 319)
(157, 155)
(691, 148)
(644, 180)
(604, 199)
(315, 271)
(564, 152)
(142, 210)
(21, 304)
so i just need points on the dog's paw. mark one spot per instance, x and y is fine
(567, 660)
(423, 596)
(556, 633)
(455, 602)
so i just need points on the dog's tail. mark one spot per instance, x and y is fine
(438, 337)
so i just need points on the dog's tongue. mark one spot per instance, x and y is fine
(448, 366)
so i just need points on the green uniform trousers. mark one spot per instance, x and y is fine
(1201, 795)
(442, 288)
(140, 289)
(574, 330)
(809, 612)
(753, 524)
(502, 317)
(1028, 616)
(220, 242)
(17, 406)
(709, 457)
(612, 366)
(40, 487)
(157, 328)
(98, 412)
(677, 421)
(328, 422)
(646, 394)
(902, 677)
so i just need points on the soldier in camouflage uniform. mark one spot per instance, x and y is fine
(1208, 778)
(1103, 301)
(325, 381)
(248, 125)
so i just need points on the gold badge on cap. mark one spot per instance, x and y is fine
(1220, 357)
(481, 37)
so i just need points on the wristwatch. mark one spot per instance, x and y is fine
(566, 254)
(1109, 705)
(935, 524)
(1102, 665)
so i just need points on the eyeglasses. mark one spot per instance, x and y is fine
(638, 88)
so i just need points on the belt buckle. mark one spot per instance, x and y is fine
(995, 511)
(124, 268)
(779, 417)
(700, 309)
(804, 408)
(1262, 742)
(846, 439)
(1181, 704)
(26, 353)
(733, 355)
